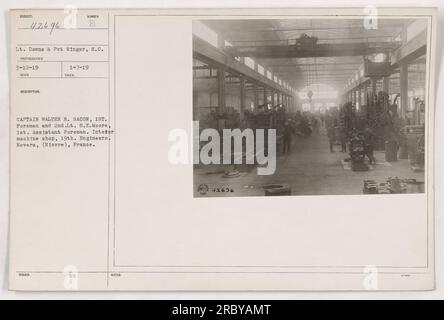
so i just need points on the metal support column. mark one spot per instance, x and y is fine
(256, 95)
(221, 88)
(404, 88)
(265, 96)
(385, 84)
(374, 86)
(365, 102)
(242, 97)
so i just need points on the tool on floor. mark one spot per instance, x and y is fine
(393, 185)
(277, 190)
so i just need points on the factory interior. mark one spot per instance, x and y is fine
(347, 101)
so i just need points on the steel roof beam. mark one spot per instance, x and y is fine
(317, 50)
(289, 29)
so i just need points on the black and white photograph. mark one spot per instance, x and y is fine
(310, 106)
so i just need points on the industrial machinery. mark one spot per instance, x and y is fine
(305, 42)
(268, 117)
(393, 185)
(357, 152)
(377, 69)
(303, 128)
(415, 138)
(370, 187)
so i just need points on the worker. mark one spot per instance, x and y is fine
(314, 123)
(369, 140)
(288, 131)
(331, 134)
(343, 138)
(341, 130)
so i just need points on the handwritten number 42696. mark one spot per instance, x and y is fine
(51, 26)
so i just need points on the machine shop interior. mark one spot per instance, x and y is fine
(348, 102)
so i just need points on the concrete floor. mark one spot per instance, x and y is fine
(310, 169)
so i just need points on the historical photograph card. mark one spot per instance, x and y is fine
(222, 149)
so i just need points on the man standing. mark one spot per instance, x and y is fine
(369, 140)
(288, 131)
(331, 135)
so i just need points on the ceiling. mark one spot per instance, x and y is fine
(302, 72)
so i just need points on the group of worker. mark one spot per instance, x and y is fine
(302, 124)
(341, 128)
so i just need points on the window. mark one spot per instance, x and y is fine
(260, 69)
(249, 62)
